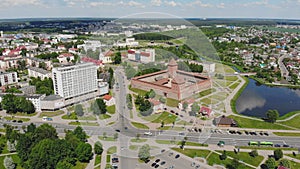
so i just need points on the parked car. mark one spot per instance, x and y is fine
(177, 156)
(148, 133)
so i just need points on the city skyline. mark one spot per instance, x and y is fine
(282, 9)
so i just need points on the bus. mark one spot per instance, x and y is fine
(253, 143)
(266, 143)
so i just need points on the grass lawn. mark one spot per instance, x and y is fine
(108, 158)
(111, 109)
(207, 92)
(214, 158)
(141, 140)
(288, 115)
(112, 150)
(234, 85)
(208, 101)
(134, 147)
(83, 123)
(51, 113)
(251, 123)
(90, 117)
(104, 116)
(138, 91)
(266, 148)
(291, 155)
(231, 78)
(97, 160)
(71, 116)
(107, 138)
(164, 128)
(150, 117)
(166, 117)
(287, 134)
(139, 125)
(221, 68)
(245, 157)
(294, 122)
(193, 152)
(17, 118)
(178, 143)
(25, 114)
(172, 102)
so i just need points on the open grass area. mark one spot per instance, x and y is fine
(111, 109)
(245, 157)
(150, 117)
(90, 117)
(108, 158)
(166, 117)
(234, 85)
(207, 92)
(97, 160)
(51, 113)
(287, 134)
(214, 158)
(252, 123)
(83, 123)
(178, 143)
(172, 102)
(139, 125)
(288, 115)
(16, 118)
(294, 122)
(134, 147)
(104, 116)
(291, 155)
(208, 101)
(141, 140)
(221, 68)
(71, 116)
(138, 91)
(193, 152)
(231, 78)
(25, 114)
(164, 128)
(266, 148)
(80, 165)
(107, 138)
(112, 150)
(237, 95)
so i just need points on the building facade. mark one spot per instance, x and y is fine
(75, 80)
(38, 72)
(7, 78)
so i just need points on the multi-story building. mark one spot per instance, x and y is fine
(76, 80)
(38, 72)
(7, 78)
(142, 56)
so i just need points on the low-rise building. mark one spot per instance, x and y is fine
(38, 72)
(109, 100)
(28, 89)
(189, 103)
(224, 122)
(157, 105)
(65, 57)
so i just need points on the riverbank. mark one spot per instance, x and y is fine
(262, 82)
(236, 96)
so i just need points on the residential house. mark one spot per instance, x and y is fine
(157, 105)
(109, 100)
(224, 122)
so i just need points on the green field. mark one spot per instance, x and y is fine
(166, 117)
(172, 102)
(51, 114)
(193, 152)
(134, 147)
(97, 160)
(17, 118)
(294, 122)
(141, 140)
(252, 123)
(214, 158)
(138, 91)
(288, 115)
(25, 114)
(139, 125)
(287, 134)
(104, 116)
(112, 150)
(245, 157)
(107, 138)
(111, 109)
(90, 117)
(83, 123)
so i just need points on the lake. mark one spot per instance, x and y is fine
(256, 100)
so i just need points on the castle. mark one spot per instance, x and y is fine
(172, 83)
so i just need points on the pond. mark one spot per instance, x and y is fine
(257, 99)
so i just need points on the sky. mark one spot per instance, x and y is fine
(282, 9)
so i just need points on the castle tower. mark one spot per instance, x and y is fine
(172, 68)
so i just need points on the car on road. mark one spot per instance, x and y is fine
(148, 133)
(153, 164)
(157, 160)
(177, 156)
(221, 143)
(181, 134)
(277, 145)
(117, 130)
(147, 161)
(156, 166)
(163, 163)
(285, 145)
(115, 160)
(197, 166)
(163, 150)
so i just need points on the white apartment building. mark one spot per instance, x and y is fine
(38, 72)
(75, 80)
(7, 78)
(141, 56)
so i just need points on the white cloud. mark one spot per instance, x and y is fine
(156, 2)
(257, 3)
(5, 3)
(200, 4)
(135, 4)
(172, 3)
(221, 5)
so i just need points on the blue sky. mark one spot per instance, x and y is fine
(288, 9)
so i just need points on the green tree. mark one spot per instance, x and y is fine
(117, 58)
(9, 163)
(8, 103)
(45, 131)
(185, 105)
(99, 107)
(195, 108)
(129, 101)
(145, 108)
(79, 110)
(13, 90)
(138, 135)
(84, 152)
(111, 77)
(223, 156)
(144, 152)
(98, 148)
(80, 134)
(116, 136)
(24, 145)
(272, 116)
(278, 154)
(162, 100)
(286, 163)
(270, 163)
(64, 165)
